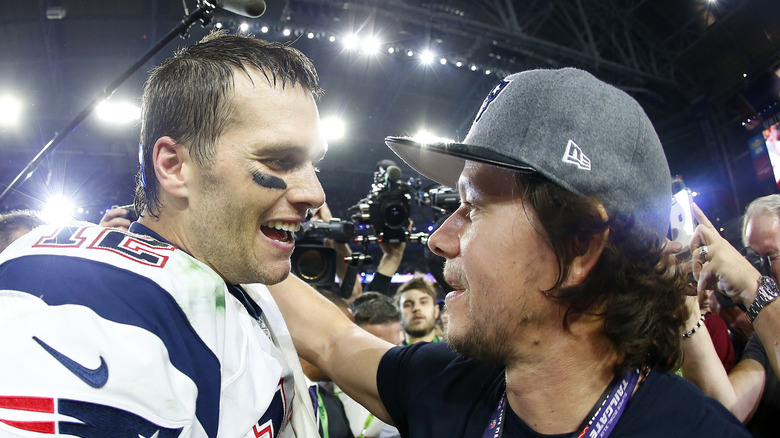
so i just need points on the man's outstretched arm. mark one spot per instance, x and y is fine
(325, 337)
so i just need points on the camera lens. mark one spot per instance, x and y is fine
(311, 266)
(395, 215)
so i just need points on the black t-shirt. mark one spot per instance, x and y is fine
(429, 391)
(766, 420)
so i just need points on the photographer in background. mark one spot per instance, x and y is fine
(343, 252)
(392, 256)
(751, 389)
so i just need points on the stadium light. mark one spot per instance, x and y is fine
(351, 41)
(58, 210)
(426, 57)
(118, 112)
(10, 110)
(333, 128)
(371, 45)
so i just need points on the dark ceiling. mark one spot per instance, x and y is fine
(684, 60)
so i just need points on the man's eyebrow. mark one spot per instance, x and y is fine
(300, 150)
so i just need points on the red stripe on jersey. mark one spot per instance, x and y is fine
(36, 404)
(32, 426)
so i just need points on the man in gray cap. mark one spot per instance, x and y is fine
(565, 320)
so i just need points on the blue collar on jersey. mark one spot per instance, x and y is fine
(137, 228)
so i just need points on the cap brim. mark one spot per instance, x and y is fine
(443, 162)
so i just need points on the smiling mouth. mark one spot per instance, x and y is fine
(280, 231)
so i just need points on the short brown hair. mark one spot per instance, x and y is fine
(14, 221)
(187, 97)
(416, 283)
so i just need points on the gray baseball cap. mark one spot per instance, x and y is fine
(579, 132)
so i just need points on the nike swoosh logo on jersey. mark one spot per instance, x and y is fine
(95, 378)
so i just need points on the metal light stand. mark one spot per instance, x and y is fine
(203, 14)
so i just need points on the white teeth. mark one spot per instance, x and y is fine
(284, 226)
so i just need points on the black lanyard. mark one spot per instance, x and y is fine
(598, 423)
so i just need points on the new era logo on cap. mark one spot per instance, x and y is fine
(574, 155)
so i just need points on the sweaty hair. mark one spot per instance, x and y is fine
(188, 97)
(416, 283)
(640, 298)
(764, 204)
(375, 308)
(15, 221)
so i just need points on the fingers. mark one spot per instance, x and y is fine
(700, 217)
(672, 247)
(113, 218)
(324, 212)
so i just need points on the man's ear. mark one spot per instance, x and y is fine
(170, 159)
(584, 263)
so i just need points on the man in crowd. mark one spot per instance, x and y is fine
(417, 300)
(750, 390)
(16, 224)
(563, 309)
(378, 314)
(149, 332)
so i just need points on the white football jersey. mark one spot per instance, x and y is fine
(107, 333)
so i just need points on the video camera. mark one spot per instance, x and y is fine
(384, 215)
(312, 261)
(387, 207)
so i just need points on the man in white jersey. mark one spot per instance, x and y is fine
(149, 332)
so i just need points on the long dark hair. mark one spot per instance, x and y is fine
(640, 296)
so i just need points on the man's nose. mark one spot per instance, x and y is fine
(306, 190)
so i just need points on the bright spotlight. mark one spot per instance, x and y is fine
(424, 136)
(286, 32)
(350, 42)
(473, 67)
(118, 112)
(218, 25)
(310, 35)
(443, 61)
(371, 45)
(487, 72)
(391, 50)
(243, 27)
(409, 53)
(332, 128)
(10, 110)
(332, 39)
(264, 29)
(458, 64)
(426, 57)
(58, 210)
